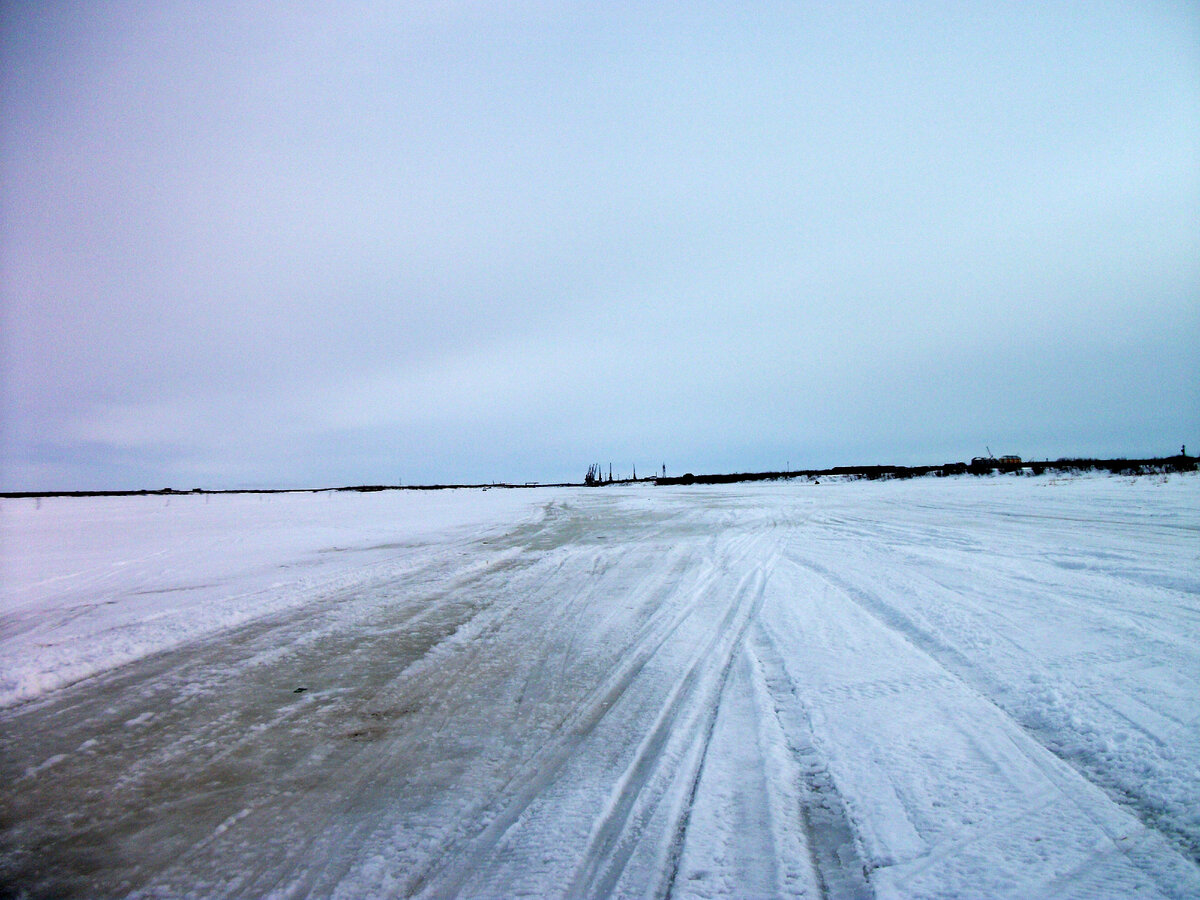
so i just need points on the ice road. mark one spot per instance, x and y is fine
(961, 687)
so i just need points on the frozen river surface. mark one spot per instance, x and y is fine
(935, 688)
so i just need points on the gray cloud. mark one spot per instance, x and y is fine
(276, 245)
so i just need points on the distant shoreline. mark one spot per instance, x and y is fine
(358, 488)
(1117, 466)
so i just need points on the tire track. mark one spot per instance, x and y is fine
(986, 686)
(448, 874)
(700, 688)
(836, 861)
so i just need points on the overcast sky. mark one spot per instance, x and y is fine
(301, 244)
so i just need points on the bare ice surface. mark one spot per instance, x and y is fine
(934, 688)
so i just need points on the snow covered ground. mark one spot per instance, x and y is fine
(933, 688)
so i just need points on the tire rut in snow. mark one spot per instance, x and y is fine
(833, 850)
(447, 874)
(677, 597)
(616, 835)
(961, 667)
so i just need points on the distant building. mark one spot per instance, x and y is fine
(986, 463)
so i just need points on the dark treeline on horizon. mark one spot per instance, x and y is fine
(1116, 466)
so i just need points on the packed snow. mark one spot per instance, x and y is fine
(92, 583)
(942, 687)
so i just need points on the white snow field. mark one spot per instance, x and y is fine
(961, 687)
